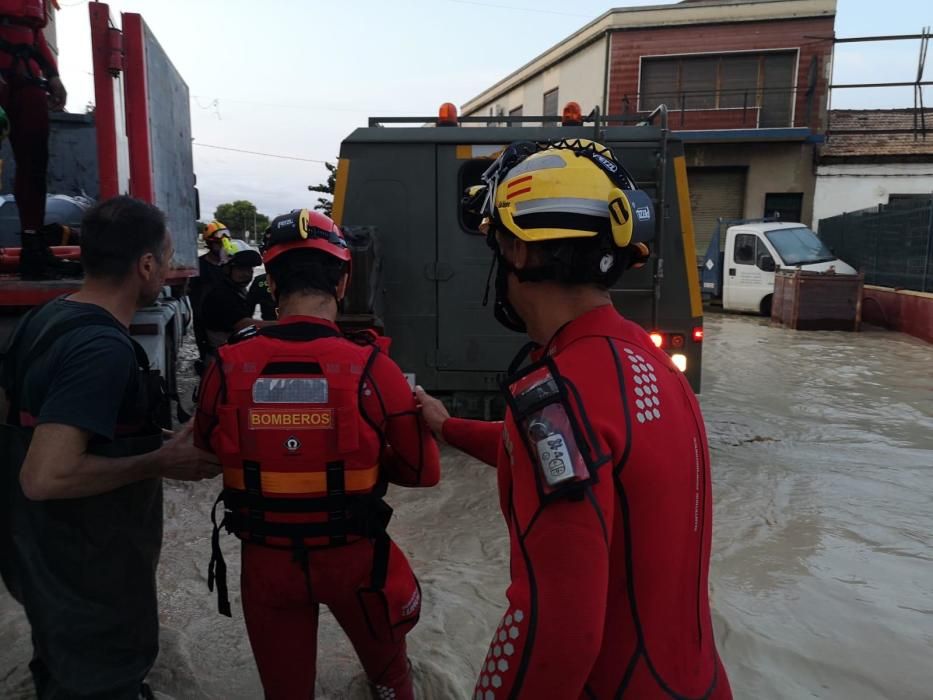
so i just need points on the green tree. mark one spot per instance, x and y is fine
(241, 216)
(326, 204)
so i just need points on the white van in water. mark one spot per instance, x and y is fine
(743, 272)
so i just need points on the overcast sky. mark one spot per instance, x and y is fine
(294, 77)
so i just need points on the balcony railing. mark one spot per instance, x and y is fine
(732, 108)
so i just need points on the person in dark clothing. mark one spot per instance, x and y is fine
(259, 294)
(226, 309)
(82, 464)
(210, 274)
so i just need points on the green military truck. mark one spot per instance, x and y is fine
(400, 180)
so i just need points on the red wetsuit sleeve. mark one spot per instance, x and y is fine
(43, 46)
(205, 416)
(478, 438)
(411, 456)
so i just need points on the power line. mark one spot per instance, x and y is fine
(216, 101)
(259, 153)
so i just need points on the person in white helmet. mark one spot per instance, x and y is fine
(225, 309)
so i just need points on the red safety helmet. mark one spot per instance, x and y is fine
(302, 229)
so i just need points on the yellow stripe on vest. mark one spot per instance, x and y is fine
(286, 483)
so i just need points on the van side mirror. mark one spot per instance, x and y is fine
(766, 262)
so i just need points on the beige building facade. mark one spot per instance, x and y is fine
(745, 83)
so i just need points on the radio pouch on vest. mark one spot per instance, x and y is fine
(549, 430)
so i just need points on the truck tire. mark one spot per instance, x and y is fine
(766, 306)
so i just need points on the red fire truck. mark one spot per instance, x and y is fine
(136, 141)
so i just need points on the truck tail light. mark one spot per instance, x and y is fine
(658, 339)
(698, 334)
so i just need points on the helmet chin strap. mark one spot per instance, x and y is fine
(503, 310)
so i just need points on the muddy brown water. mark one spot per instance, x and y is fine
(822, 573)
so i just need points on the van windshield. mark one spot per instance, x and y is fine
(799, 246)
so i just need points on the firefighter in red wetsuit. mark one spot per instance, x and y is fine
(29, 86)
(310, 426)
(602, 459)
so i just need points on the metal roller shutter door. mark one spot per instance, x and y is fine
(714, 193)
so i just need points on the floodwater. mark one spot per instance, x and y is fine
(822, 573)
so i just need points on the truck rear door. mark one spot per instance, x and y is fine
(389, 185)
(469, 338)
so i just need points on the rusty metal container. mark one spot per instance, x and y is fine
(817, 301)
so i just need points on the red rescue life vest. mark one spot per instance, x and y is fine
(31, 12)
(300, 464)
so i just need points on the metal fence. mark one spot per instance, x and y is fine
(891, 243)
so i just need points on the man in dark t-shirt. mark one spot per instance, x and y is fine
(84, 461)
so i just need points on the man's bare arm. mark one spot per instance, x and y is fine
(58, 465)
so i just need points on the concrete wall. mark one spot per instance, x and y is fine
(772, 167)
(580, 78)
(842, 188)
(691, 15)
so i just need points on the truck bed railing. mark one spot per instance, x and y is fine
(594, 117)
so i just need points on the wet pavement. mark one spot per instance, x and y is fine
(822, 578)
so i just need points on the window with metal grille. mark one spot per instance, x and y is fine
(763, 81)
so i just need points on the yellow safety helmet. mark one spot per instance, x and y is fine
(214, 230)
(560, 190)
